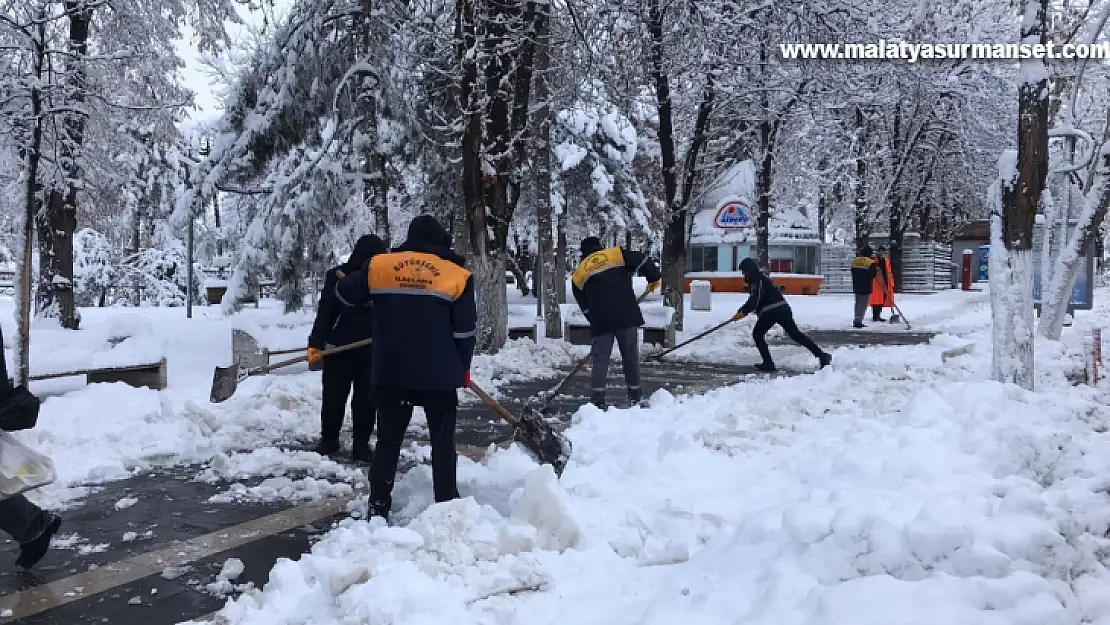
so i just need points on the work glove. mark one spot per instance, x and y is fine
(466, 380)
(652, 287)
(313, 355)
(739, 315)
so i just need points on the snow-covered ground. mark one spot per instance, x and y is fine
(104, 432)
(891, 488)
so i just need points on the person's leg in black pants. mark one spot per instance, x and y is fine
(336, 380)
(786, 322)
(440, 410)
(393, 419)
(27, 524)
(759, 333)
(363, 409)
(784, 317)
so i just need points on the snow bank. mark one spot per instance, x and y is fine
(324, 477)
(520, 360)
(890, 488)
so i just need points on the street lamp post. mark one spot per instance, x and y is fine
(205, 150)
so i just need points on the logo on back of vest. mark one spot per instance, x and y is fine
(415, 273)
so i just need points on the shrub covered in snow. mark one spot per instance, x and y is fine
(162, 276)
(96, 267)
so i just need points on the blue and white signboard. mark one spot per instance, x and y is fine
(1082, 290)
(984, 263)
(734, 214)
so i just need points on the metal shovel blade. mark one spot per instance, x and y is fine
(543, 441)
(224, 382)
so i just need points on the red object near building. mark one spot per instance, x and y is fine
(965, 270)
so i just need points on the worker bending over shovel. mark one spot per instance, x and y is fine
(602, 286)
(767, 302)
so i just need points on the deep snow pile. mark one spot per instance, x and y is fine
(891, 489)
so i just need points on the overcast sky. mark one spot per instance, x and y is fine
(196, 76)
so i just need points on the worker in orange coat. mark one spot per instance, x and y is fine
(882, 289)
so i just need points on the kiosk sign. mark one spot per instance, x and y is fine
(734, 214)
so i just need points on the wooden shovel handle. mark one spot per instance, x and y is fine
(304, 357)
(495, 405)
(688, 341)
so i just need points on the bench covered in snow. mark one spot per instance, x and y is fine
(149, 375)
(576, 329)
(107, 353)
(522, 323)
(658, 328)
(658, 325)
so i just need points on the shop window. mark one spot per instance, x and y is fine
(805, 259)
(782, 265)
(725, 260)
(703, 258)
(781, 252)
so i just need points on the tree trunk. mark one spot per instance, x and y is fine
(822, 200)
(1019, 191)
(547, 250)
(492, 296)
(863, 214)
(897, 239)
(375, 165)
(673, 257)
(136, 244)
(897, 226)
(561, 258)
(1056, 292)
(494, 124)
(32, 157)
(57, 225)
(763, 189)
(1011, 278)
(379, 179)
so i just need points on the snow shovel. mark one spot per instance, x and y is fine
(894, 318)
(531, 412)
(659, 355)
(537, 435)
(226, 379)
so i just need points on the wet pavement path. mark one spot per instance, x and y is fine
(180, 541)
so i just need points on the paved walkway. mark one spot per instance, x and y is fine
(181, 542)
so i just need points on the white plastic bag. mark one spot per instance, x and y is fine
(22, 468)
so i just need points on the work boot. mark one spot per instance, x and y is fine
(858, 324)
(766, 367)
(598, 399)
(878, 319)
(31, 552)
(327, 446)
(635, 397)
(361, 452)
(825, 358)
(380, 507)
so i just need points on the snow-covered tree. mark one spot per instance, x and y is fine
(1015, 197)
